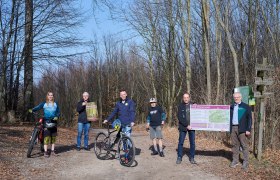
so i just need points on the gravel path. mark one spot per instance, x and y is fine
(73, 164)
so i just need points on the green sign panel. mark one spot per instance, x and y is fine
(247, 94)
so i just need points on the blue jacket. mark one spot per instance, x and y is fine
(50, 110)
(244, 117)
(125, 111)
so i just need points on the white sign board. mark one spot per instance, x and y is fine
(210, 117)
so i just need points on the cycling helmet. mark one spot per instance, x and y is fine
(153, 100)
(117, 124)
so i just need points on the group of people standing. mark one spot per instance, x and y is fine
(240, 124)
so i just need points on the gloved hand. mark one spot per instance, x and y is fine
(147, 127)
(55, 118)
(30, 111)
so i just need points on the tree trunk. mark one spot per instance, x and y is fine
(186, 36)
(12, 89)
(205, 34)
(28, 59)
(218, 59)
(230, 42)
(4, 63)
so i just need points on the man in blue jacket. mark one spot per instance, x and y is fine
(125, 110)
(240, 127)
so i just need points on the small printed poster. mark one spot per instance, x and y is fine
(92, 113)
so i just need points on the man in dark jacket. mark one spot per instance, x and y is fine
(125, 110)
(83, 123)
(184, 128)
(240, 127)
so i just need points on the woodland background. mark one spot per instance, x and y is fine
(205, 47)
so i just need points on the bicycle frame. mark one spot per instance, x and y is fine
(125, 147)
(119, 132)
(36, 137)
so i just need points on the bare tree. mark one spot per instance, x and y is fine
(229, 40)
(28, 56)
(186, 36)
(206, 51)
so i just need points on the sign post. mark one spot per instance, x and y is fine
(261, 81)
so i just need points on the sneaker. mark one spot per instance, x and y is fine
(78, 148)
(233, 164)
(154, 153)
(245, 165)
(54, 153)
(124, 160)
(46, 154)
(87, 148)
(161, 154)
(179, 160)
(192, 161)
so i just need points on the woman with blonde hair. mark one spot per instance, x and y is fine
(51, 114)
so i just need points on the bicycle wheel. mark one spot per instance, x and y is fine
(32, 141)
(126, 151)
(102, 146)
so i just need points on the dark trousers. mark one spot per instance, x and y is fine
(182, 136)
(237, 140)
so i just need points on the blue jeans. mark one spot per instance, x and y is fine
(182, 136)
(127, 130)
(83, 127)
(124, 129)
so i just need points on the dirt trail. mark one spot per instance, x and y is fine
(72, 164)
(213, 158)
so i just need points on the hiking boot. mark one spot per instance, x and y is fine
(245, 165)
(54, 153)
(192, 161)
(87, 148)
(46, 154)
(233, 164)
(124, 160)
(161, 154)
(179, 160)
(78, 148)
(154, 153)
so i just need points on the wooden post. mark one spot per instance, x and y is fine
(253, 134)
(262, 80)
(261, 123)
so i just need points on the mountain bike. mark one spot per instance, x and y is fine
(37, 137)
(104, 145)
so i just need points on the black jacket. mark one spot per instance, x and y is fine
(183, 116)
(155, 116)
(82, 112)
(244, 117)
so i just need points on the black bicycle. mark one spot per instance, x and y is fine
(37, 137)
(104, 146)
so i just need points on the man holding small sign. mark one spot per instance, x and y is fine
(84, 119)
